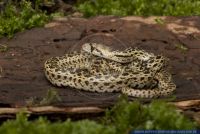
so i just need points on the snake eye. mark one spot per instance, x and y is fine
(96, 50)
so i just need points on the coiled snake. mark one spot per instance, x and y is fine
(99, 69)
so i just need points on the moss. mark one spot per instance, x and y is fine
(159, 21)
(51, 97)
(42, 126)
(121, 119)
(140, 7)
(158, 115)
(182, 48)
(15, 18)
(3, 48)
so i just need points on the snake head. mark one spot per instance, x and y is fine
(96, 49)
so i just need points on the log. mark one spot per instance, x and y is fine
(21, 64)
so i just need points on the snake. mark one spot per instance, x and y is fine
(98, 68)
